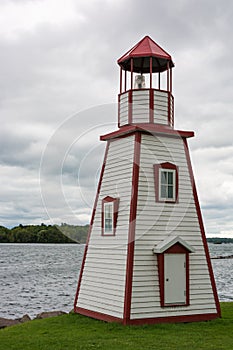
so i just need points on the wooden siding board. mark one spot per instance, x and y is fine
(140, 110)
(91, 278)
(109, 288)
(140, 93)
(104, 299)
(160, 106)
(115, 277)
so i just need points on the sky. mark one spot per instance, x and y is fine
(59, 81)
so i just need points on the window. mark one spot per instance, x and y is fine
(166, 182)
(109, 215)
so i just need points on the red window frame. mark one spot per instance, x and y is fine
(115, 202)
(165, 166)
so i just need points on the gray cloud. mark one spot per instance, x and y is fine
(54, 65)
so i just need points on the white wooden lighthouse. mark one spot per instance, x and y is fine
(146, 258)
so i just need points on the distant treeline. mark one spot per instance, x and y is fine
(44, 234)
(63, 233)
(218, 240)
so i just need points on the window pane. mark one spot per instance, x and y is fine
(108, 214)
(163, 191)
(170, 178)
(108, 225)
(163, 177)
(170, 191)
(108, 210)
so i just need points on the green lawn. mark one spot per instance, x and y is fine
(78, 332)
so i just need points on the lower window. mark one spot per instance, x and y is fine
(109, 215)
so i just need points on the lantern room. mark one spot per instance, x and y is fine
(146, 85)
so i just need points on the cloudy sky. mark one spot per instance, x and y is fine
(58, 90)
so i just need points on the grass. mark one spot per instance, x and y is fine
(79, 332)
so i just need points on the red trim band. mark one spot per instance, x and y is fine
(142, 321)
(97, 315)
(174, 319)
(146, 128)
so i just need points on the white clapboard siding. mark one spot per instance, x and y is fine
(141, 107)
(124, 118)
(155, 222)
(160, 107)
(124, 109)
(103, 280)
(97, 305)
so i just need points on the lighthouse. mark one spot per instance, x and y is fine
(146, 258)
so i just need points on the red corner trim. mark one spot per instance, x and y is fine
(174, 319)
(90, 228)
(151, 106)
(142, 321)
(118, 113)
(131, 234)
(160, 259)
(198, 209)
(172, 114)
(169, 108)
(187, 280)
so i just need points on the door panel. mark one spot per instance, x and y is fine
(174, 279)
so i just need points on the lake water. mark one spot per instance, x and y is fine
(43, 277)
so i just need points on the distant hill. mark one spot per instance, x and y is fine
(44, 234)
(218, 240)
(63, 233)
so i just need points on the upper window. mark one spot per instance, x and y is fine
(167, 186)
(166, 182)
(109, 215)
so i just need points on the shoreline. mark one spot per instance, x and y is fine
(7, 322)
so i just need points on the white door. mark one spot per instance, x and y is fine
(174, 279)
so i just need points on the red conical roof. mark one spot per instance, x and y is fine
(141, 53)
